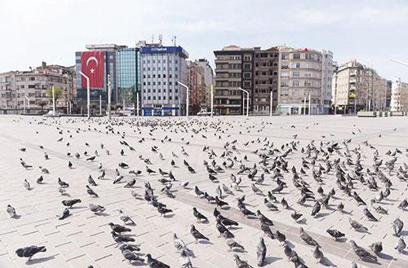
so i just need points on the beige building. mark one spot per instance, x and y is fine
(27, 89)
(304, 74)
(399, 96)
(358, 87)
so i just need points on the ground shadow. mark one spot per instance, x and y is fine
(40, 260)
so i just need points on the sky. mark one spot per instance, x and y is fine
(373, 32)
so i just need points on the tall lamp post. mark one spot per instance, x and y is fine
(88, 93)
(212, 100)
(187, 97)
(109, 96)
(247, 92)
(271, 104)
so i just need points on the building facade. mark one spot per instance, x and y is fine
(359, 87)
(266, 67)
(28, 89)
(161, 68)
(303, 76)
(399, 96)
(127, 78)
(233, 72)
(208, 81)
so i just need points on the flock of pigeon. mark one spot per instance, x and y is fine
(325, 175)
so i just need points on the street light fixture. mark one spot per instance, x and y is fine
(247, 92)
(88, 93)
(187, 97)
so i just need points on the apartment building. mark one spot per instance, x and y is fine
(399, 96)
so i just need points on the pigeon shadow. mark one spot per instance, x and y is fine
(16, 217)
(102, 214)
(385, 256)
(321, 215)
(270, 260)
(205, 242)
(341, 239)
(40, 260)
(404, 233)
(78, 207)
(326, 262)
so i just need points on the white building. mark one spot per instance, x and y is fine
(161, 69)
(399, 96)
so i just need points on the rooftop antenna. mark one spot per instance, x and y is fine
(174, 40)
(160, 39)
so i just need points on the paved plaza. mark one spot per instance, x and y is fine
(229, 144)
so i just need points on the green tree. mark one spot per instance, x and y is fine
(58, 92)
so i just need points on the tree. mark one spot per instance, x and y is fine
(42, 103)
(58, 92)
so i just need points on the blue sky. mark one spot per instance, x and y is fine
(373, 32)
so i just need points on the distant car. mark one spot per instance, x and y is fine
(203, 113)
(52, 114)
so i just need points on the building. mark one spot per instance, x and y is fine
(208, 81)
(399, 96)
(108, 59)
(292, 75)
(304, 74)
(233, 72)
(359, 87)
(28, 89)
(127, 75)
(161, 68)
(200, 80)
(266, 67)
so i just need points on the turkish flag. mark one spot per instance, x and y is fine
(92, 65)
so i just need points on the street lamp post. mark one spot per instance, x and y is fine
(137, 103)
(109, 96)
(247, 92)
(53, 99)
(212, 100)
(310, 105)
(187, 97)
(271, 104)
(88, 94)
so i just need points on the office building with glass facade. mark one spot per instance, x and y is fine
(127, 80)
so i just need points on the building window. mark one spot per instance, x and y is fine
(296, 56)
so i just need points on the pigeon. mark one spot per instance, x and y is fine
(225, 221)
(65, 214)
(117, 228)
(362, 253)
(241, 263)
(163, 210)
(316, 209)
(197, 235)
(307, 238)
(296, 216)
(130, 183)
(97, 209)
(62, 183)
(368, 214)
(335, 233)
(91, 192)
(131, 256)
(376, 247)
(261, 252)
(154, 263)
(263, 219)
(200, 217)
(29, 252)
(71, 202)
(121, 238)
(181, 246)
(400, 247)
(270, 205)
(40, 180)
(397, 226)
(318, 254)
(27, 185)
(11, 211)
(126, 219)
(91, 181)
(357, 226)
(234, 245)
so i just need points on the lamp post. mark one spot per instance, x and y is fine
(247, 92)
(271, 104)
(53, 99)
(109, 96)
(137, 103)
(310, 105)
(187, 97)
(88, 94)
(212, 100)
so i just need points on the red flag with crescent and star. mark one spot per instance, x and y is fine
(92, 65)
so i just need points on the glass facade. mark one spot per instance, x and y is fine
(127, 75)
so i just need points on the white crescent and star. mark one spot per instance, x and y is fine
(93, 58)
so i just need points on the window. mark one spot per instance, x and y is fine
(296, 74)
(297, 65)
(296, 56)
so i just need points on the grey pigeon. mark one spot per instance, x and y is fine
(307, 238)
(400, 245)
(261, 252)
(362, 253)
(241, 263)
(376, 247)
(97, 209)
(357, 226)
(397, 226)
(131, 257)
(369, 215)
(29, 252)
(154, 263)
(11, 211)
